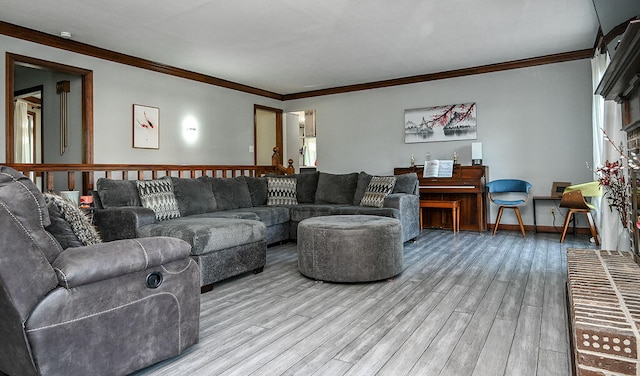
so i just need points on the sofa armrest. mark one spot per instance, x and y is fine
(83, 265)
(402, 201)
(408, 205)
(123, 222)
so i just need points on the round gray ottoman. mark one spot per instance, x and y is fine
(350, 248)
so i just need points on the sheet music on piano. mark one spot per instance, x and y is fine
(438, 168)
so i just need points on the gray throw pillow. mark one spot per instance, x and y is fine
(257, 189)
(406, 183)
(231, 193)
(194, 196)
(158, 196)
(78, 222)
(336, 189)
(361, 187)
(117, 193)
(61, 229)
(306, 185)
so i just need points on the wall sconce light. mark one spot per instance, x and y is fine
(62, 88)
(190, 129)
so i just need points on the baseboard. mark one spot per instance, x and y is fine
(529, 228)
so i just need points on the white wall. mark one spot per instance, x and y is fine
(534, 124)
(224, 117)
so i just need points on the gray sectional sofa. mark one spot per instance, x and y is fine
(230, 221)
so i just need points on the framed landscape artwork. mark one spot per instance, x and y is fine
(440, 123)
(146, 124)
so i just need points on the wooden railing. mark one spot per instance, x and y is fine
(275, 162)
(57, 177)
(51, 177)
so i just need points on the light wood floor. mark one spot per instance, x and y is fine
(466, 304)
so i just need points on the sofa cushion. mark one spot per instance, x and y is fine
(406, 183)
(117, 193)
(269, 215)
(231, 193)
(306, 185)
(365, 210)
(281, 191)
(361, 187)
(303, 211)
(243, 213)
(336, 189)
(379, 187)
(257, 189)
(158, 196)
(69, 225)
(208, 234)
(194, 196)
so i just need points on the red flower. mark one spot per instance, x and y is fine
(611, 177)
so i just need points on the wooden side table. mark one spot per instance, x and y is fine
(454, 205)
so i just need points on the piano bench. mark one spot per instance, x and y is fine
(454, 205)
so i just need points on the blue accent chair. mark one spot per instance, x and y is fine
(509, 194)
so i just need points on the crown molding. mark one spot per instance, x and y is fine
(515, 64)
(101, 53)
(117, 57)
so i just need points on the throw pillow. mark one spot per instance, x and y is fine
(281, 191)
(194, 196)
(306, 184)
(231, 193)
(258, 190)
(361, 187)
(158, 196)
(69, 225)
(379, 187)
(117, 193)
(336, 188)
(406, 183)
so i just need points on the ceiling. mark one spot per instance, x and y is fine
(292, 46)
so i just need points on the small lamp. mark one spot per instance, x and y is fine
(476, 153)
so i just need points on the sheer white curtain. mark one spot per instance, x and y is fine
(23, 133)
(607, 116)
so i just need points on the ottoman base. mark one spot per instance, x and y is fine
(350, 248)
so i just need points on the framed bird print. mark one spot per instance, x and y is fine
(146, 127)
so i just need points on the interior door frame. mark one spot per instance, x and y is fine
(87, 102)
(279, 138)
(28, 90)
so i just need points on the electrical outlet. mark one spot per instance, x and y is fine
(552, 211)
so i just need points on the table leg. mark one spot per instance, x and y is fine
(535, 225)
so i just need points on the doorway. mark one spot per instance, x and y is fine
(267, 133)
(85, 77)
(28, 124)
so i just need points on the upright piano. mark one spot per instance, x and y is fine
(467, 185)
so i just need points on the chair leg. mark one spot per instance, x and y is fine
(495, 227)
(592, 227)
(517, 210)
(567, 219)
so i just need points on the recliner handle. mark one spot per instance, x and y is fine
(154, 280)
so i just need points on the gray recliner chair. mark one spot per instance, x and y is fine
(104, 309)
